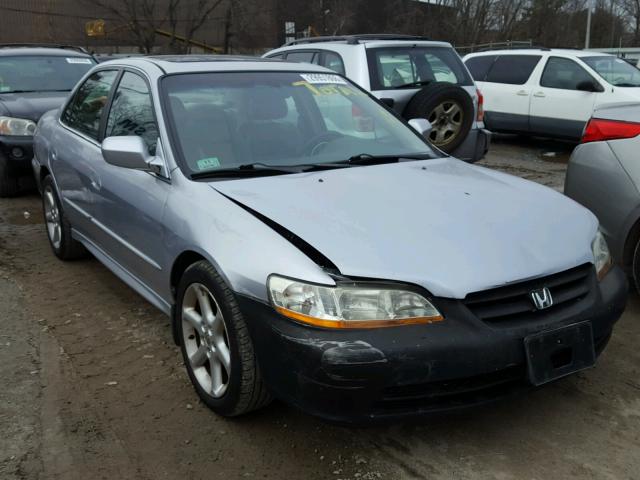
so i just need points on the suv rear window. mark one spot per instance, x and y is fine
(480, 66)
(512, 69)
(398, 67)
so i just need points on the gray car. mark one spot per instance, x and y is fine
(604, 176)
(310, 246)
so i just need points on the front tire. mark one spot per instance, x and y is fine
(216, 345)
(64, 246)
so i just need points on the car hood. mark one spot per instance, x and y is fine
(30, 105)
(448, 226)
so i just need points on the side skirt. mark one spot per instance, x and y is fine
(124, 275)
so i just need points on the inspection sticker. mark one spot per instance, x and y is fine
(322, 78)
(207, 163)
(83, 61)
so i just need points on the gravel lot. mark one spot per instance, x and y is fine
(91, 386)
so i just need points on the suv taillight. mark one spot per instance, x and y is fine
(598, 130)
(480, 116)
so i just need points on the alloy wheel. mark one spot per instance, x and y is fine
(446, 120)
(52, 217)
(206, 340)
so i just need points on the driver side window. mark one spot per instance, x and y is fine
(132, 111)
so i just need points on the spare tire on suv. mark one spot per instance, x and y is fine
(450, 110)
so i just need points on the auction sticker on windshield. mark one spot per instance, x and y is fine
(315, 78)
(84, 61)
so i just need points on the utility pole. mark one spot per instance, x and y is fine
(588, 36)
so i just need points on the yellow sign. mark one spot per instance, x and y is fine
(94, 28)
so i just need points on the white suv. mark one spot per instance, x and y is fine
(549, 92)
(416, 77)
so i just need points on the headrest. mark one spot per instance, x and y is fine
(177, 107)
(268, 103)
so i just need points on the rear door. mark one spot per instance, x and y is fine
(75, 155)
(558, 108)
(505, 82)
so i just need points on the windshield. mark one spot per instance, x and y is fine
(614, 70)
(31, 73)
(411, 66)
(224, 120)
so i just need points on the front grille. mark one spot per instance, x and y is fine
(504, 305)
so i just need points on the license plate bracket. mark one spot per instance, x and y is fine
(553, 354)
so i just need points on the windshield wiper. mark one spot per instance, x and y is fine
(419, 83)
(627, 85)
(368, 159)
(248, 170)
(35, 91)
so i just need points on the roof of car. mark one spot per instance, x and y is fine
(11, 49)
(539, 51)
(214, 63)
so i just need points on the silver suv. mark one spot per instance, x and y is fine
(416, 77)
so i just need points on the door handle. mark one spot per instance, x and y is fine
(523, 93)
(539, 94)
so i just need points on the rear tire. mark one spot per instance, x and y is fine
(9, 184)
(216, 346)
(635, 267)
(64, 246)
(450, 110)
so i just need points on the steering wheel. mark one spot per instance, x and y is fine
(315, 144)
(619, 80)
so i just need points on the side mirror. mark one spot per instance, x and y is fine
(589, 86)
(422, 126)
(129, 152)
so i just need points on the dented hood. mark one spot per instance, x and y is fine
(448, 226)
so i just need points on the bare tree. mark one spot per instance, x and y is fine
(632, 9)
(139, 17)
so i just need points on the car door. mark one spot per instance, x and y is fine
(132, 201)
(560, 106)
(507, 89)
(75, 155)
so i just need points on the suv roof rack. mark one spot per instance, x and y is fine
(355, 39)
(44, 45)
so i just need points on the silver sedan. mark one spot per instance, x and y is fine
(310, 245)
(604, 176)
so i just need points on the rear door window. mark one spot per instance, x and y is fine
(564, 74)
(403, 67)
(480, 66)
(512, 69)
(84, 112)
(302, 57)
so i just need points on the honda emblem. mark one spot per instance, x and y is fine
(541, 298)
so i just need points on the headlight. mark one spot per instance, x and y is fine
(601, 255)
(16, 126)
(349, 306)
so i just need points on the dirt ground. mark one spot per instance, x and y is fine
(91, 386)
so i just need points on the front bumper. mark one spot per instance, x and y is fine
(17, 150)
(390, 373)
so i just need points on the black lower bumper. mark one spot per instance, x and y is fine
(390, 373)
